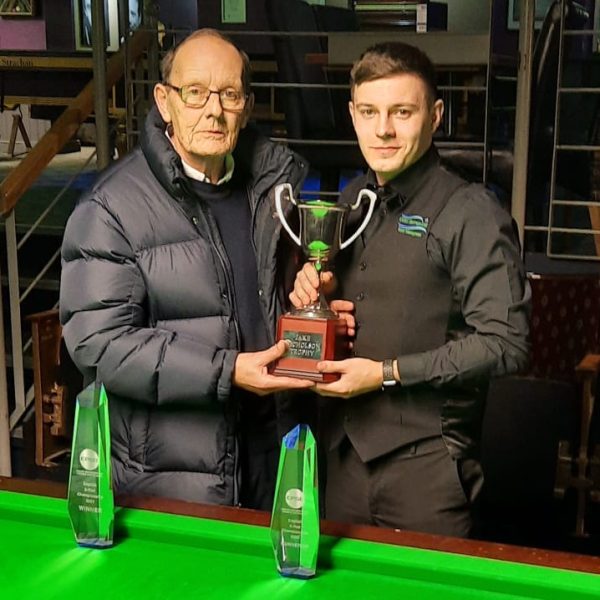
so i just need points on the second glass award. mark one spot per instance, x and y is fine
(90, 496)
(295, 518)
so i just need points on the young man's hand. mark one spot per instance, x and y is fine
(345, 309)
(358, 376)
(306, 285)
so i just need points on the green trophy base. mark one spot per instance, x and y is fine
(90, 497)
(312, 339)
(295, 517)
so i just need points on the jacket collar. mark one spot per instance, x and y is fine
(194, 173)
(263, 161)
(164, 162)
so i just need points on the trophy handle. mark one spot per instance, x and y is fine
(279, 190)
(372, 196)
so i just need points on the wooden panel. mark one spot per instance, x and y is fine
(443, 48)
(29, 61)
(56, 383)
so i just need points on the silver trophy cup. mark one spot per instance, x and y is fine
(321, 231)
(315, 332)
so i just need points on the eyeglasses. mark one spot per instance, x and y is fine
(195, 95)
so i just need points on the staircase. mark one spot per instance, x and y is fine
(37, 194)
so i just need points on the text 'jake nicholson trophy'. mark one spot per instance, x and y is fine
(315, 332)
(90, 497)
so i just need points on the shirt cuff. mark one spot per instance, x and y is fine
(411, 368)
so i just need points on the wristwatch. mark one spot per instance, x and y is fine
(388, 373)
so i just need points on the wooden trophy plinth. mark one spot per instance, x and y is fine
(312, 339)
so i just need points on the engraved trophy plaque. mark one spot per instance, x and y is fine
(315, 332)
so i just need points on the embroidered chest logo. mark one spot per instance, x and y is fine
(413, 225)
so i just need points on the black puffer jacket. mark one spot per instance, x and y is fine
(145, 302)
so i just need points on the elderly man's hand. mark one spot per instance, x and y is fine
(250, 372)
(306, 285)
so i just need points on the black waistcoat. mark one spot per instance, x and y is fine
(403, 305)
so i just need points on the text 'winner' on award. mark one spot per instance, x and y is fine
(295, 517)
(90, 497)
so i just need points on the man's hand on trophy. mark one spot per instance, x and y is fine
(250, 372)
(306, 285)
(345, 309)
(357, 376)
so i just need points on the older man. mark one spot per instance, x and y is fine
(169, 291)
(441, 306)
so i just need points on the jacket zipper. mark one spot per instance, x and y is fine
(226, 271)
(229, 284)
(261, 298)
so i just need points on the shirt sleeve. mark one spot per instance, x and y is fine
(474, 241)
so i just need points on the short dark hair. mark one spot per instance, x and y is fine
(394, 58)
(166, 64)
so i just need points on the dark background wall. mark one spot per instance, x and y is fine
(60, 33)
(174, 14)
(56, 17)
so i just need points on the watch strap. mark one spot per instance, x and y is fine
(388, 373)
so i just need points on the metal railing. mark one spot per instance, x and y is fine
(139, 95)
(12, 189)
(578, 241)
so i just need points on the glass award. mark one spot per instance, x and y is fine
(295, 517)
(316, 332)
(90, 496)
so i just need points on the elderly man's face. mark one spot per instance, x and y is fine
(204, 136)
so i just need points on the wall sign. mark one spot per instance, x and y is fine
(233, 11)
(17, 8)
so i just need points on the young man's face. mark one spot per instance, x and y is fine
(394, 121)
(203, 136)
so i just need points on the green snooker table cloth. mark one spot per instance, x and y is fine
(158, 555)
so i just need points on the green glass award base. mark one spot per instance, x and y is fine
(90, 496)
(295, 518)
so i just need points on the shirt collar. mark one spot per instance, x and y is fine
(194, 173)
(408, 182)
